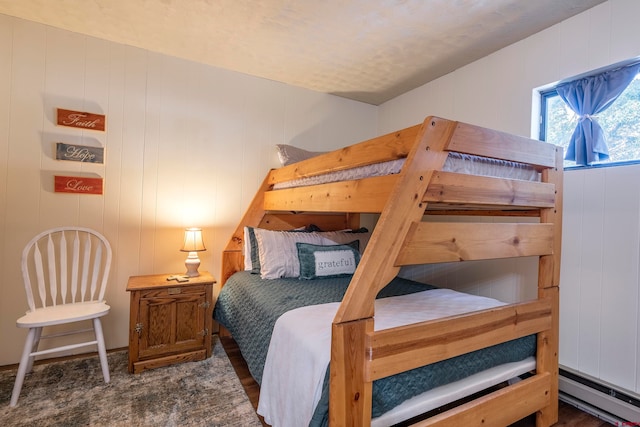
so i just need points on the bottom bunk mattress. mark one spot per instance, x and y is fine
(250, 308)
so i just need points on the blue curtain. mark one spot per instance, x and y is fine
(588, 97)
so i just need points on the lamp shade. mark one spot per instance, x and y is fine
(193, 240)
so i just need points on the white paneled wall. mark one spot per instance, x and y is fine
(599, 283)
(185, 145)
(600, 332)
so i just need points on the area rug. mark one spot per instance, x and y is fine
(73, 393)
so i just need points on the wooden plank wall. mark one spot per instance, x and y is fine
(600, 278)
(185, 145)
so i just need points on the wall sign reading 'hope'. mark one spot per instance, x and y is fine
(79, 153)
(82, 120)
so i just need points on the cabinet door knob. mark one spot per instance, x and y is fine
(138, 328)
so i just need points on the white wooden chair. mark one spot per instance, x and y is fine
(65, 272)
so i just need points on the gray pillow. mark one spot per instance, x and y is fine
(289, 154)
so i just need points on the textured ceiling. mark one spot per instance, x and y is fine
(367, 50)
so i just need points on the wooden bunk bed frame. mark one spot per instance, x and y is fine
(358, 354)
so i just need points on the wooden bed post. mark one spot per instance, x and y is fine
(350, 392)
(548, 288)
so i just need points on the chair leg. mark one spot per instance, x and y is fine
(34, 348)
(22, 368)
(102, 349)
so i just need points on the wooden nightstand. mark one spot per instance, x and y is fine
(170, 322)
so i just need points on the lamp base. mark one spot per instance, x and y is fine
(192, 263)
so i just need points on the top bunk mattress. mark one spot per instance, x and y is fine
(456, 162)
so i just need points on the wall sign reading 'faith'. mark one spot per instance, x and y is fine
(77, 184)
(79, 153)
(82, 120)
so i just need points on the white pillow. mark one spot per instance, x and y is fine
(250, 250)
(289, 154)
(279, 254)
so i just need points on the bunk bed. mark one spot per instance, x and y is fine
(423, 183)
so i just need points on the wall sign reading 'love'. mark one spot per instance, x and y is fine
(82, 120)
(77, 184)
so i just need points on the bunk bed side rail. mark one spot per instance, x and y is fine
(391, 146)
(471, 139)
(429, 242)
(456, 188)
(503, 407)
(370, 194)
(400, 349)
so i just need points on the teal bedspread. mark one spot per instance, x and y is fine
(249, 307)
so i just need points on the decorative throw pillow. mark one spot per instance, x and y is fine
(318, 261)
(278, 253)
(289, 154)
(251, 253)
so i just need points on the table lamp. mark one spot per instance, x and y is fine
(193, 244)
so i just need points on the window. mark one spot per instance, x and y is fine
(620, 122)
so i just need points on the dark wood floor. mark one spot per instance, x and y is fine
(569, 416)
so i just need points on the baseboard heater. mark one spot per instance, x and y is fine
(599, 399)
